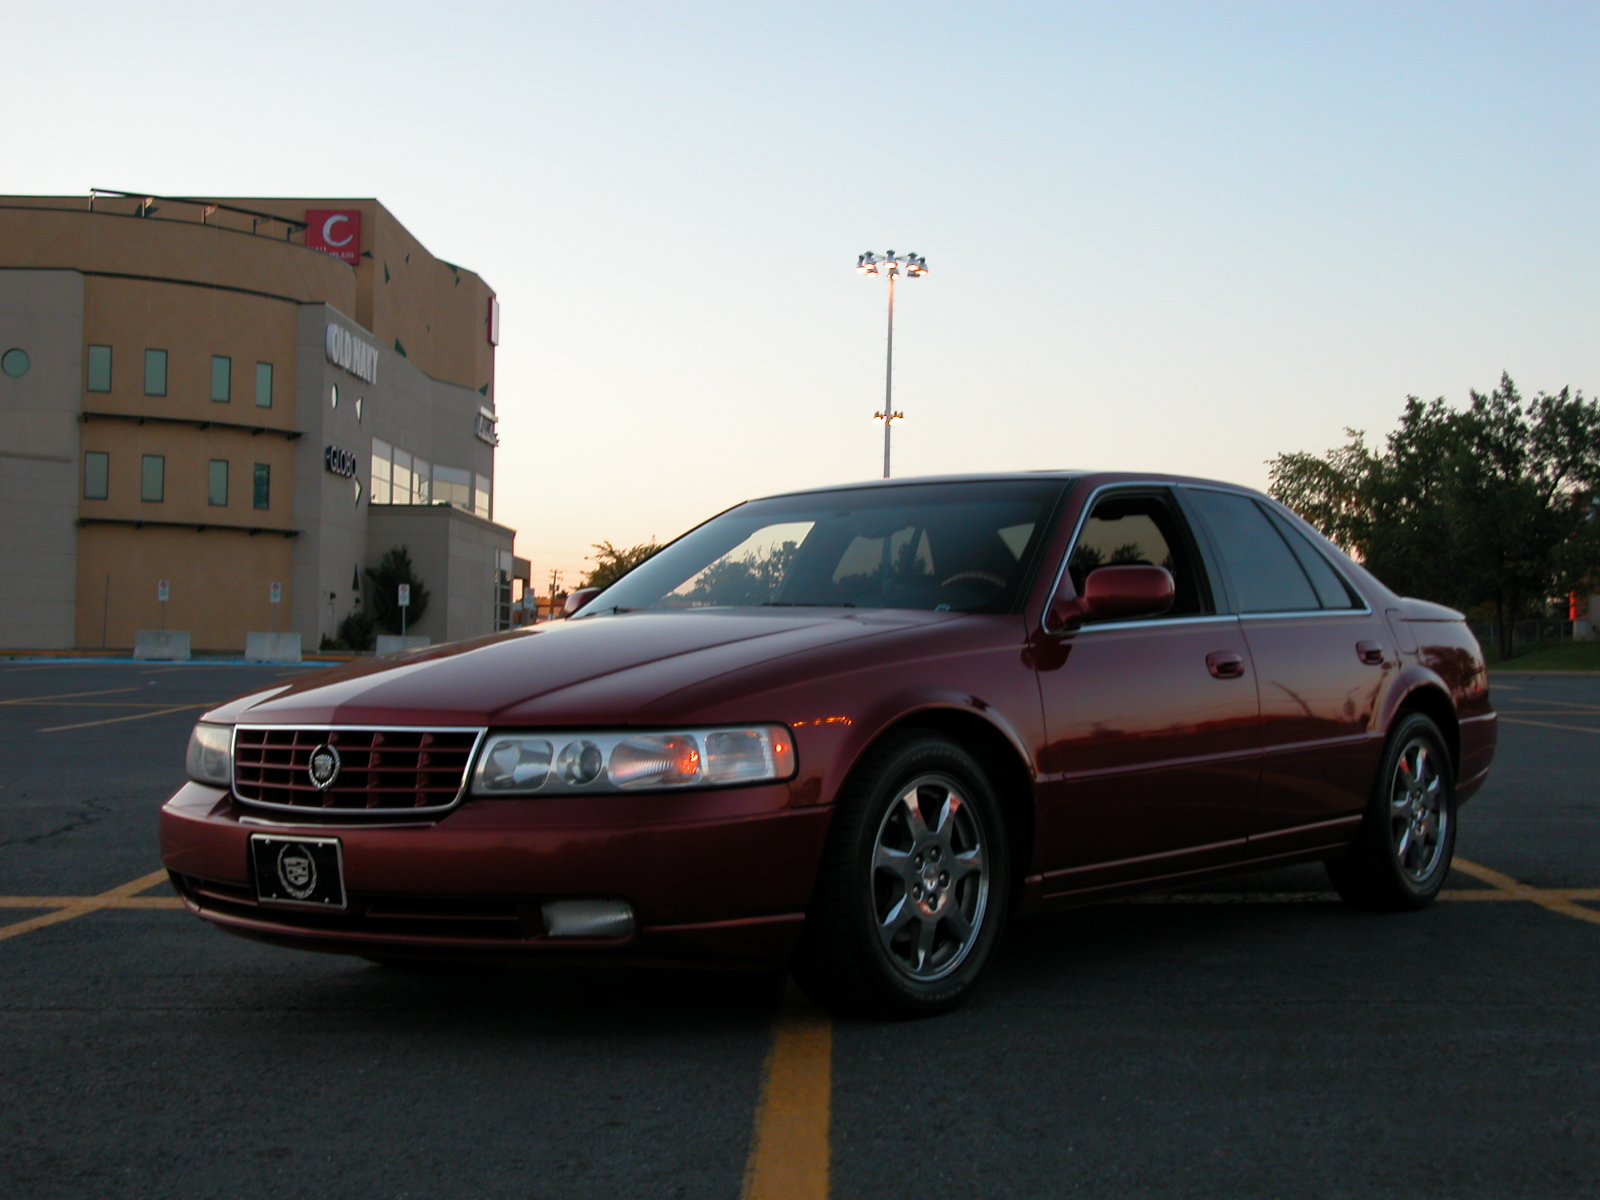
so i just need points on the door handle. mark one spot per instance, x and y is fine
(1371, 653)
(1225, 664)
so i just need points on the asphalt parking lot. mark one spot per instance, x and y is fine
(1254, 1038)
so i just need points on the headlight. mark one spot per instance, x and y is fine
(520, 764)
(210, 757)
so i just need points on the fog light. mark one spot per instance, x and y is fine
(588, 918)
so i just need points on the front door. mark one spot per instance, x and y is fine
(1152, 750)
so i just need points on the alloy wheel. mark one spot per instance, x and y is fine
(930, 878)
(1419, 816)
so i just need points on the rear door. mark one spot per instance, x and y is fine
(1322, 657)
(1152, 753)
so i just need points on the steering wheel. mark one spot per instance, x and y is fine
(982, 576)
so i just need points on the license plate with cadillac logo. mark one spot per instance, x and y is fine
(298, 870)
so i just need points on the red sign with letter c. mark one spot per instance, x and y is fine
(335, 231)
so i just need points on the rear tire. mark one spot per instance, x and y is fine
(1402, 853)
(913, 888)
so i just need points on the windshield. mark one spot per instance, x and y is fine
(961, 547)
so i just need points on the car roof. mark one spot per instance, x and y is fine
(1065, 475)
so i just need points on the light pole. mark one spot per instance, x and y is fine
(893, 266)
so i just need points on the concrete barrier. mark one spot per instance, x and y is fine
(389, 643)
(272, 647)
(165, 644)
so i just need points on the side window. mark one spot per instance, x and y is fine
(1331, 589)
(1140, 530)
(1265, 576)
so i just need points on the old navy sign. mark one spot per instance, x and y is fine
(335, 231)
(346, 350)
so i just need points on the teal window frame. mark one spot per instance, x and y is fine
(217, 483)
(97, 371)
(261, 490)
(263, 385)
(221, 378)
(96, 474)
(153, 478)
(155, 372)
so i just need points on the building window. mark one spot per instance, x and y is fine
(381, 487)
(263, 486)
(15, 363)
(451, 485)
(96, 474)
(155, 372)
(221, 378)
(402, 477)
(421, 482)
(480, 495)
(99, 368)
(263, 385)
(334, 395)
(153, 478)
(217, 487)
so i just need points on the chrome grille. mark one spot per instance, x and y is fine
(383, 771)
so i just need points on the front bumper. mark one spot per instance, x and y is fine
(710, 875)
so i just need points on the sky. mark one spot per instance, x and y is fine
(1176, 237)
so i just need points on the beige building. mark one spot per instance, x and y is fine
(240, 398)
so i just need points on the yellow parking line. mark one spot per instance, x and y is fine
(100, 703)
(159, 712)
(69, 695)
(77, 901)
(1593, 708)
(789, 1155)
(1333, 897)
(115, 898)
(1549, 898)
(1549, 725)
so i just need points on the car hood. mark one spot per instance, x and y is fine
(592, 670)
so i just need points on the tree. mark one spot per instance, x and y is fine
(1489, 507)
(393, 569)
(611, 563)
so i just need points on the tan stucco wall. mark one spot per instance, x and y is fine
(104, 241)
(196, 290)
(191, 324)
(219, 584)
(437, 311)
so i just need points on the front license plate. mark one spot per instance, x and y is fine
(298, 870)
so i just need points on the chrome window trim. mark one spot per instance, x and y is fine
(1072, 543)
(377, 814)
(1153, 622)
(1315, 549)
(1366, 611)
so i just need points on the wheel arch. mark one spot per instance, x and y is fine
(1434, 704)
(1007, 771)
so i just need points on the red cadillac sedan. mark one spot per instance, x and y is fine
(855, 730)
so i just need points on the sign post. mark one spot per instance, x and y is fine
(275, 596)
(163, 590)
(405, 604)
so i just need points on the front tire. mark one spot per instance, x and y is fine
(914, 884)
(1402, 854)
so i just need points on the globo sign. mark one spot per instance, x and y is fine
(340, 462)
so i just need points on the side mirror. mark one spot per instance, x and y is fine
(577, 599)
(1111, 593)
